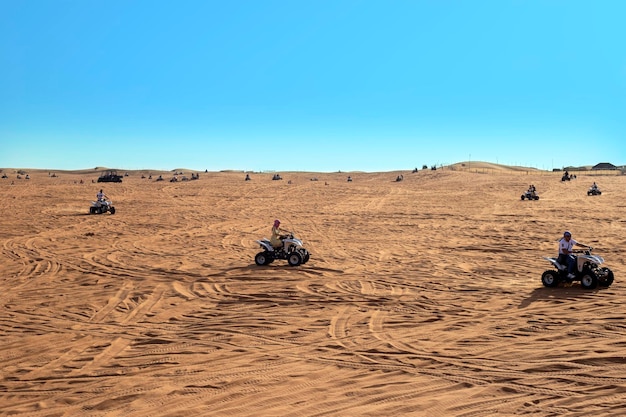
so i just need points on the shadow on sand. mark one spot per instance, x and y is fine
(558, 294)
(255, 272)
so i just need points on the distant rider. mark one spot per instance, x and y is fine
(278, 235)
(566, 244)
(594, 186)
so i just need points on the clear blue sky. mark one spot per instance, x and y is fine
(311, 85)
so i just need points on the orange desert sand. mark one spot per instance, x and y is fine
(422, 297)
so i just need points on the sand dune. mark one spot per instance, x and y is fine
(422, 297)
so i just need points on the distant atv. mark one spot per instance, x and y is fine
(110, 176)
(594, 191)
(100, 207)
(530, 195)
(292, 251)
(588, 272)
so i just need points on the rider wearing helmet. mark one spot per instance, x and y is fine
(566, 245)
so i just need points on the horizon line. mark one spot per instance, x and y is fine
(462, 165)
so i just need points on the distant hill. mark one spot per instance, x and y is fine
(459, 166)
(474, 165)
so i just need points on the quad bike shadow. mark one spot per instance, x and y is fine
(251, 273)
(557, 295)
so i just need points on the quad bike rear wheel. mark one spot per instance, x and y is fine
(550, 278)
(294, 259)
(262, 258)
(589, 280)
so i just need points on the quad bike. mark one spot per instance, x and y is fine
(292, 251)
(102, 206)
(594, 191)
(588, 272)
(530, 195)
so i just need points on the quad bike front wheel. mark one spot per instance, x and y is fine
(608, 278)
(550, 278)
(305, 255)
(112, 210)
(294, 259)
(589, 280)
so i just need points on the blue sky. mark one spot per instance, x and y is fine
(311, 85)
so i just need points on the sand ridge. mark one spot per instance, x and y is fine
(422, 297)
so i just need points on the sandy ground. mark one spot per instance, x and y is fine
(422, 297)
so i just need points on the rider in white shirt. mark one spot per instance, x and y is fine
(566, 244)
(101, 197)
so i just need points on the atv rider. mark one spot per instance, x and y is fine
(278, 235)
(594, 187)
(565, 253)
(102, 198)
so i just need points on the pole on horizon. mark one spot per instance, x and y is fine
(469, 163)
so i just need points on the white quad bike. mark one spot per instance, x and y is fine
(594, 191)
(102, 206)
(588, 272)
(292, 251)
(530, 195)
